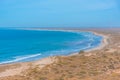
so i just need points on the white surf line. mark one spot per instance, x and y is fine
(19, 59)
(102, 44)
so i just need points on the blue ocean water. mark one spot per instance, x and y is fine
(29, 45)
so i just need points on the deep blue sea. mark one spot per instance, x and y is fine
(28, 45)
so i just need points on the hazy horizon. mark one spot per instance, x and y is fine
(62, 13)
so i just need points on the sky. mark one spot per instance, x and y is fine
(59, 13)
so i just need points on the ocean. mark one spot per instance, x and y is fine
(29, 45)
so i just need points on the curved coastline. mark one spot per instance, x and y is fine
(43, 62)
(74, 31)
(103, 43)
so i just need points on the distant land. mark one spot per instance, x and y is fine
(101, 63)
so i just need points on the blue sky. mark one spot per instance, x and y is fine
(59, 13)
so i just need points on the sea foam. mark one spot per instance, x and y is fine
(29, 45)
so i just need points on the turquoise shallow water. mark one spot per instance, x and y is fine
(29, 45)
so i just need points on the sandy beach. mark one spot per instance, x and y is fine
(46, 61)
(102, 45)
(24, 66)
(9, 70)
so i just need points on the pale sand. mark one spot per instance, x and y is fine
(103, 43)
(43, 62)
(12, 72)
(101, 46)
(25, 66)
(46, 61)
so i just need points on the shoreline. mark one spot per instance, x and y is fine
(101, 45)
(17, 68)
(49, 60)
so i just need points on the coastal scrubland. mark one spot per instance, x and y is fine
(100, 64)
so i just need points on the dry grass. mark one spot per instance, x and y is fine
(79, 67)
(101, 65)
